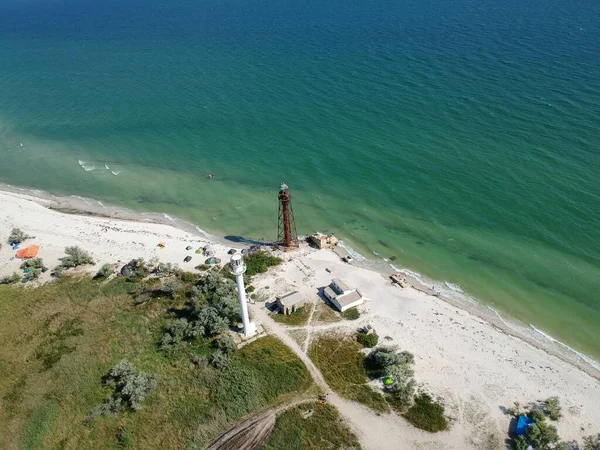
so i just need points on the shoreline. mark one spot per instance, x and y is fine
(87, 208)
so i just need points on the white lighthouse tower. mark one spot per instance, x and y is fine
(238, 268)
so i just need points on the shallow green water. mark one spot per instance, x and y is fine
(460, 137)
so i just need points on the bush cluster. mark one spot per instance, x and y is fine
(367, 340)
(75, 257)
(105, 271)
(388, 362)
(129, 389)
(259, 262)
(14, 278)
(427, 414)
(540, 434)
(17, 236)
(212, 310)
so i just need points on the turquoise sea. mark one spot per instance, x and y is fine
(461, 137)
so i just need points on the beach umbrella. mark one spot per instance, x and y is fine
(28, 252)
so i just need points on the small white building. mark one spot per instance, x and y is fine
(290, 302)
(343, 296)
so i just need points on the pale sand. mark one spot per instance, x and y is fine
(107, 240)
(475, 367)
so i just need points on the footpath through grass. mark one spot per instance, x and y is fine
(339, 359)
(60, 339)
(311, 427)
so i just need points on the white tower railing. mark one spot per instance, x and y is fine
(238, 268)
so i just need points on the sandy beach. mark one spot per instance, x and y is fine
(476, 366)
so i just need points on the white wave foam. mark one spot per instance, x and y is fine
(81, 163)
(168, 217)
(82, 199)
(100, 203)
(357, 256)
(454, 287)
(115, 172)
(587, 359)
(89, 168)
(106, 165)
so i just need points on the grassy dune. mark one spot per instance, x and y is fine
(59, 340)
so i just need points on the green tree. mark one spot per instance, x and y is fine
(75, 257)
(17, 236)
(591, 442)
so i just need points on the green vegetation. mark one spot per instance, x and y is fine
(75, 257)
(18, 236)
(297, 318)
(14, 278)
(552, 408)
(542, 435)
(259, 262)
(367, 340)
(105, 271)
(347, 371)
(591, 442)
(311, 427)
(129, 388)
(33, 263)
(427, 414)
(343, 366)
(60, 339)
(325, 314)
(351, 314)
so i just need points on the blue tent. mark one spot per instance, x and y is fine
(522, 425)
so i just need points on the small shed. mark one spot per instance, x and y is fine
(324, 240)
(290, 302)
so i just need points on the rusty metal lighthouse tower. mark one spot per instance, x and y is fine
(287, 236)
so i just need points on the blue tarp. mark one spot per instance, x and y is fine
(522, 425)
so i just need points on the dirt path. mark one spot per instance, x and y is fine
(376, 432)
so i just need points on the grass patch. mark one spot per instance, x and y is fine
(38, 425)
(325, 314)
(343, 366)
(58, 340)
(351, 314)
(427, 414)
(311, 427)
(259, 262)
(297, 318)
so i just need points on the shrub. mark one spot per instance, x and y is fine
(521, 443)
(427, 414)
(75, 257)
(17, 236)
(211, 322)
(351, 314)
(171, 287)
(188, 277)
(250, 289)
(591, 442)
(14, 278)
(105, 271)
(541, 434)
(259, 262)
(552, 408)
(219, 360)
(226, 344)
(129, 389)
(367, 340)
(33, 274)
(202, 267)
(34, 263)
(135, 269)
